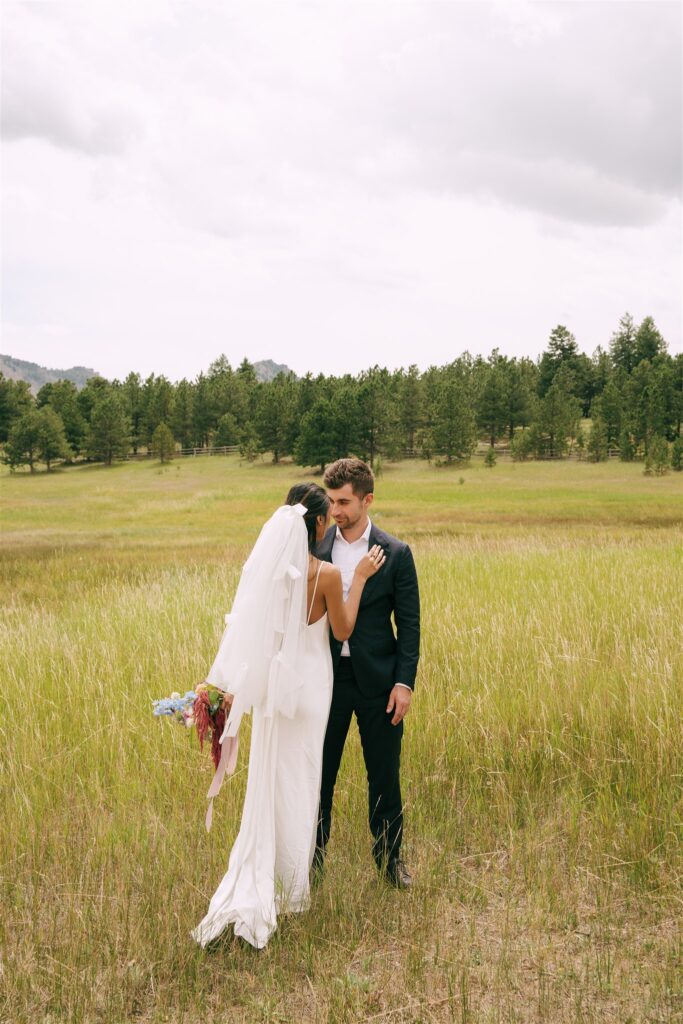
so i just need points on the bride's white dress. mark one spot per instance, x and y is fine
(269, 864)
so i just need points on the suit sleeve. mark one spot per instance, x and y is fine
(407, 618)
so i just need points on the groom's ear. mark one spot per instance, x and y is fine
(369, 498)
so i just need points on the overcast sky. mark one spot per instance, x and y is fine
(333, 185)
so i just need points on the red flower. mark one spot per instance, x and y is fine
(206, 722)
(202, 716)
(218, 723)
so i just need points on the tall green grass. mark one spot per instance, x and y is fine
(542, 764)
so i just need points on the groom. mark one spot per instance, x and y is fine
(374, 670)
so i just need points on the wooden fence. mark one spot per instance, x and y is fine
(504, 452)
(574, 453)
(410, 453)
(228, 449)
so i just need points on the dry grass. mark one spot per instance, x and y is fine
(543, 758)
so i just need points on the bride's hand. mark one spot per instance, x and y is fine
(226, 699)
(371, 563)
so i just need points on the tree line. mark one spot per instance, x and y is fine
(632, 391)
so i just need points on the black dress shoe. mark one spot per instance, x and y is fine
(397, 875)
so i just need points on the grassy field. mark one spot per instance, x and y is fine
(542, 767)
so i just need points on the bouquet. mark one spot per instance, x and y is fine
(205, 707)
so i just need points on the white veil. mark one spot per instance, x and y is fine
(259, 654)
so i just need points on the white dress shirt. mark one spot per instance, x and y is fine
(347, 556)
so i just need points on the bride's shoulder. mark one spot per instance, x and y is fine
(326, 569)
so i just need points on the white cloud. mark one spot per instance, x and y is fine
(47, 94)
(335, 184)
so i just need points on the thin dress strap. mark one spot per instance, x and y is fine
(314, 590)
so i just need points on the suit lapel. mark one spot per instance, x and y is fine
(376, 537)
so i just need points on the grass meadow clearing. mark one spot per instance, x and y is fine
(542, 762)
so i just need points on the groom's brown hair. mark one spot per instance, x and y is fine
(350, 471)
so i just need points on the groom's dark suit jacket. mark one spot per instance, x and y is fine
(380, 657)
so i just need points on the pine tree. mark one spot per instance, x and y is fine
(275, 416)
(109, 433)
(623, 344)
(578, 372)
(580, 441)
(133, 401)
(227, 433)
(650, 399)
(157, 403)
(453, 430)
(249, 444)
(522, 444)
(520, 391)
(562, 349)
(226, 392)
(649, 342)
(490, 457)
(342, 430)
(601, 370)
(202, 412)
(376, 414)
(627, 446)
(94, 389)
(677, 454)
(15, 400)
(23, 443)
(656, 456)
(677, 397)
(598, 441)
(558, 417)
(608, 408)
(411, 405)
(163, 443)
(52, 442)
(62, 396)
(181, 420)
(492, 409)
(247, 393)
(315, 443)
(308, 393)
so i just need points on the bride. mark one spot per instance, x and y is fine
(274, 661)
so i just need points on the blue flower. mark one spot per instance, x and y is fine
(172, 705)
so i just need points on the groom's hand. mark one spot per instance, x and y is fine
(399, 702)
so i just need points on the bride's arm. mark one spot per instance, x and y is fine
(342, 614)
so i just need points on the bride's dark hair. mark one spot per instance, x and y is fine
(316, 501)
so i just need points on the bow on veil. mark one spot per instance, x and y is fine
(259, 654)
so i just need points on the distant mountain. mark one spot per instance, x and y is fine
(266, 369)
(36, 376)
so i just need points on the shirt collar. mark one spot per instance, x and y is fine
(365, 535)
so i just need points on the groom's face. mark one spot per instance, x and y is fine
(347, 508)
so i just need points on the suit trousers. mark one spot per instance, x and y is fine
(381, 743)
